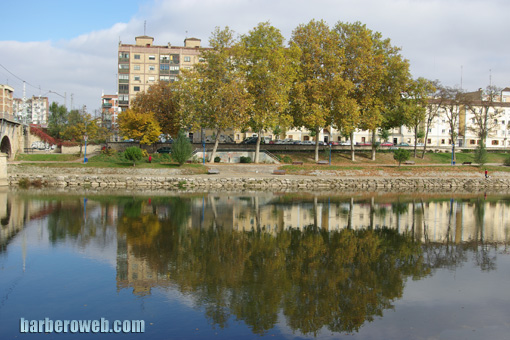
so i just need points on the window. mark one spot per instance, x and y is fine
(152, 68)
(442, 141)
(164, 78)
(472, 142)
(152, 57)
(123, 78)
(174, 68)
(136, 67)
(137, 56)
(164, 67)
(429, 141)
(187, 59)
(124, 55)
(164, 59)
(123, 88)
(151, 78)
(137, 78)
(123, 66)
(430, 130)
(495, 142)
(443, 131)
(136, 88)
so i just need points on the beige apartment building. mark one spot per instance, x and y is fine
(6, 100)
(144, 64)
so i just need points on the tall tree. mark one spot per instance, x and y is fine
(79, 126)
(483, 112)
(451, 99)
(160, 99)
(320, 93)
(57, 120)
(213, 93)
(269, 69)
(141, 126)
(431, 111)
(377, 70)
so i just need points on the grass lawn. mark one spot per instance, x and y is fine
(51, 157)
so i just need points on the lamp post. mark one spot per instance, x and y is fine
(453, 162)
(85, 137)
(329, 153)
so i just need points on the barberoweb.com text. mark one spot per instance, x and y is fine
(81, 326)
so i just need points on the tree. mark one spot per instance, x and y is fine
(269, 70)
(480, 105)
(213, 94)
(160, 100)
(320, 93)
(141, 126)
(401, 155)
(79, 126)
(415, 106)
(451, 99)
(181, 148)
(377, 70)
(134, 154)
(57, 120)
(434, 104)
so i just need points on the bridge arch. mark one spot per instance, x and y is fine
(6, 147)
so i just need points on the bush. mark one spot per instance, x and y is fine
(217, 159)
(134, 154)
(245, 159)
(108, 151)
(181, 148)
(401, 155)
(507, 161)
(287, 159)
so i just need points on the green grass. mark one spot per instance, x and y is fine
(53, 157)
(461, 157)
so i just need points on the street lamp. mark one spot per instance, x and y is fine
(85, 137)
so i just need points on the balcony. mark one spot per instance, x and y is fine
(123, 60)
(123, 71)
(107, 105)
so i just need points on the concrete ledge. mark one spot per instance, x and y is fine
(323, 162)
(279, 172)
(213, 171)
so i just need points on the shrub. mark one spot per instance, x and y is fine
(287, 159)
(108, 151)
(134, 154)
(217, 159)
(24, 183)
(401, 155)
(507, 161)
(145, 154)
(181, 148)
(245, 159)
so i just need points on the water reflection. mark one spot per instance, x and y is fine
(321, 262)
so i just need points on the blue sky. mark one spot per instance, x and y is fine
(70, 47)
(40, 20)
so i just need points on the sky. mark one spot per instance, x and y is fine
(70, 47)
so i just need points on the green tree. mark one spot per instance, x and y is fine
(481, 155)
(134, 154)
(401, 155)
(57, 121)
(320, 93)
(431, 111)
(79, 126)
(140, 126)
(451, 99)
(181, 148)
(213, 94)
(161, 100)
(378, 72)
(269, 69)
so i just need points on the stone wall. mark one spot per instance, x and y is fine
(263, 183)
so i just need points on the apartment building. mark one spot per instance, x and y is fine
(6, 99)
(144, 64)
(34, 110)
(109, 110)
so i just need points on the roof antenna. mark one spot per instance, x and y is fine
(145, 27)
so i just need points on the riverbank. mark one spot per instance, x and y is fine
(258, 177)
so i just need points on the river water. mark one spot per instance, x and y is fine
(252, 265)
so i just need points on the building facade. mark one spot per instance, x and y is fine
(34, 110)
(6, 99)
(144, 64)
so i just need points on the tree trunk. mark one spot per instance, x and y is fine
(257, 148)
(351, 136)
(415, 138)
(216, 142)
(425, 141)
(317, 144)
(373, 145)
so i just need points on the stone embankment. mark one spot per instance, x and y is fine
(263, 182)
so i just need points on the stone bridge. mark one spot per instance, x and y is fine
(11, 143)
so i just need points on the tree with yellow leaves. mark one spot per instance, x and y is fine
(139, 126)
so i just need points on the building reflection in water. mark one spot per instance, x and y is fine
(333, 262)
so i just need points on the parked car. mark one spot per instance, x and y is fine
(420, 144)
(386, 144)
(250, 140)
(403, 144)
(347, 142)
(334, 143)
(364, 144)
(307, 142)
(165, 149)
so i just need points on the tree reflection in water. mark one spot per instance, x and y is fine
(244, 257)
